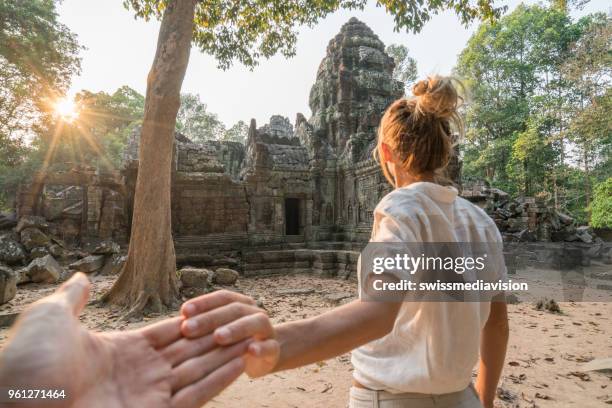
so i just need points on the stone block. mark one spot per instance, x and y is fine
(88, 264)
(8, 284)
(44, 270)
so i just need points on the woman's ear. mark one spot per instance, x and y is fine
(386, 153)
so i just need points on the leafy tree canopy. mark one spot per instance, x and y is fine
(405, 70)
(240, 30)
(196, 122)
(601, 208)
(38, 57)
(237, 133)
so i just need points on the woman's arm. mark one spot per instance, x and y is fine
(492, 353)
(333, 333)
(234, 317)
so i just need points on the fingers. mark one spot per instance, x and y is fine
(255, 325)
(197, 394)
(213, 300)
(184, 349)
(75, 292)
(163, 333)
(205, 323)
(194, 369)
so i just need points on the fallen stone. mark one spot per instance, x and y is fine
(526, 236)
(43, 270)
(8, 284)
(225, 276)
(88, 264)
(22, 276)
(31, 221)
(11, 251)
(38, 252)
(107, 247)
(585, 237)
(7, 320)
(565, 219)
(32, 237)
(196, 278)
(57, 251)
(7, 220)
(113, 264)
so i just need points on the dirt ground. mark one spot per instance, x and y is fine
(545, 354)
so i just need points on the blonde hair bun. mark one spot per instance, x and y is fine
(436, 96)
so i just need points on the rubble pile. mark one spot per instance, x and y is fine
(31, 253)
(527, 219)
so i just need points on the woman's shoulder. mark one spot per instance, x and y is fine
(401, 204)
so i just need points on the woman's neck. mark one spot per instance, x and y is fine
(403, 179)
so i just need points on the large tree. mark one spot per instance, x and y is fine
(229, 30)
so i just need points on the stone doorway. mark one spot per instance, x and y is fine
(292, 216)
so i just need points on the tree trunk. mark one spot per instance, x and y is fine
(148, 281)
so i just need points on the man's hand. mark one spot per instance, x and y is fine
(154, 366)
(234, 318)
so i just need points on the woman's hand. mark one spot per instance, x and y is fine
(234, 318)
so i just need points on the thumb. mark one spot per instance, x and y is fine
(75, 292)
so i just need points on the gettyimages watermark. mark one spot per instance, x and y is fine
(481, 272)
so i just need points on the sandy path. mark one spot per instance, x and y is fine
(545, 348)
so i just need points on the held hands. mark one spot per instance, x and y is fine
(233, 319)
(154, 366)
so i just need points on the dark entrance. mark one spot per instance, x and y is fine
(292, 216)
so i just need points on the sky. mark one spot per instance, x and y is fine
(120, 49)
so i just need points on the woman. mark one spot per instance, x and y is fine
(409, 354)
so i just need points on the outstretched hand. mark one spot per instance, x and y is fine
(149, 367)
(234, 318)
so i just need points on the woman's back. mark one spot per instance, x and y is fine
(434, 345)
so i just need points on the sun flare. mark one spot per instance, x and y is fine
(66, 109)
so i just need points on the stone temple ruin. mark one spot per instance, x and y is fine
(296, 197)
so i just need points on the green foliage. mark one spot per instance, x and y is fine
(601, 207)
(99, 134)
(198, 124)
(15, 167)
(195, 122)
(38, 56)
(245, 31)
(539, 103)
(405, 70)
(237, 133)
